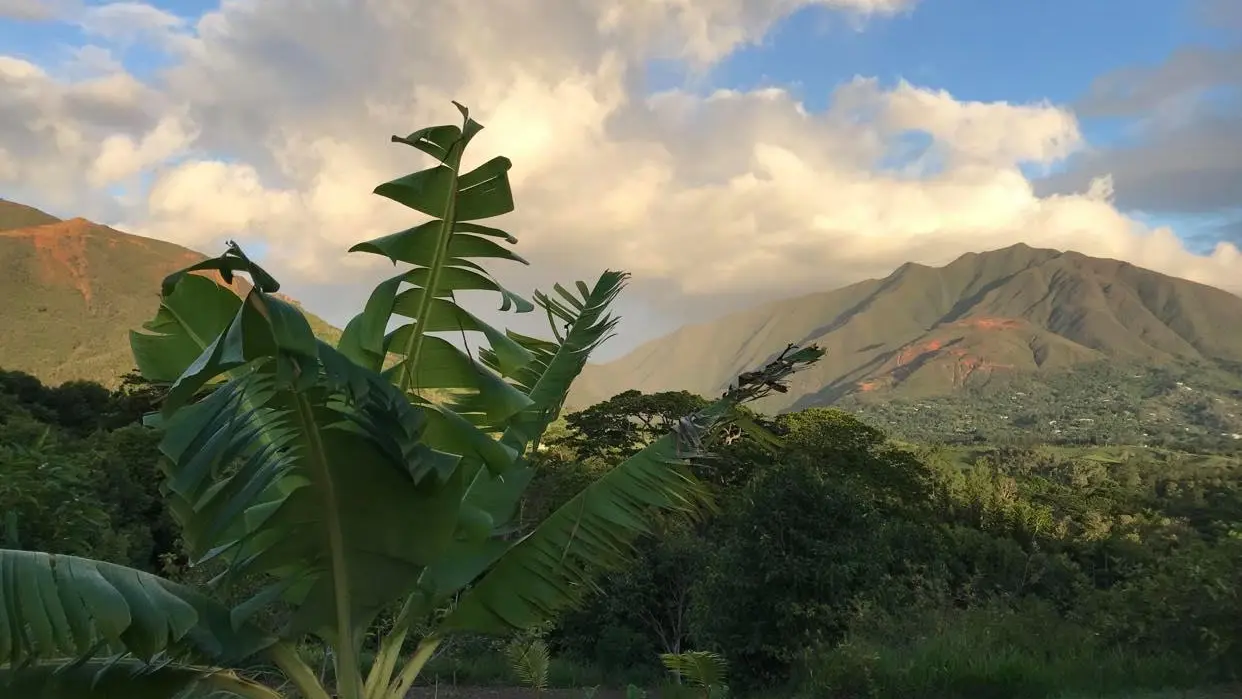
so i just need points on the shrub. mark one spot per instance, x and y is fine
(991, 652)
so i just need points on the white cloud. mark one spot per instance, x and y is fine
(127, 22)
(991, 133)
(703, 31)
(64, 140)
(273, 125)
(28, 9)
(122, 156)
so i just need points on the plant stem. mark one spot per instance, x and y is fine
(298, 672)
(414, 345)
(348, 676)
(389, 652)
(231, 683)
(426, 648)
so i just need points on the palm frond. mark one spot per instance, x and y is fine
(441, 251)
(546, 380)
(55, 607)
(702, 668)
(548, 377)
(530, 661)
(127, 678)
(550, 568)
(547, 570)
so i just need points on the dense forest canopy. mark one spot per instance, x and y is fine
(837, 562)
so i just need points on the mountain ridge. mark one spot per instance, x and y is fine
(924, 331)
(1018, 319)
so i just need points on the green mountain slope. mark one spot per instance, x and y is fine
(73, 289)
(975, 328)
(14, 215)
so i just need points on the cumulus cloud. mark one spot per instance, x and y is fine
(128, 22)
(272, 122)
(1223, 14)
(28, 9)
(62, 139)
(705, 30)
(1186, 153)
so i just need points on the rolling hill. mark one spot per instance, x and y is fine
(73, 289)
(965, 338)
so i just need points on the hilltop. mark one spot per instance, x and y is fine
(967, 340)
(73, 289)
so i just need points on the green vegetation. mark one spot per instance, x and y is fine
(1185, 406)
(841, 564)
(848, 565)
(263, 513)
(330, 499)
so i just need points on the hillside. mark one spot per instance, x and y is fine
(984, 326)
(73, 289)
(14, 215)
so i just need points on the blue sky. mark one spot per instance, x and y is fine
(987, 50)
(1171, 151)
(1017, 51)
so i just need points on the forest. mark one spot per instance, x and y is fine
(839, 564)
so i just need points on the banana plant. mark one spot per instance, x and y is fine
(378, 475)
(530, 662)
(703, 669)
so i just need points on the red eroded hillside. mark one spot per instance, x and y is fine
(975, 323)
(953, 352)
(76, 288)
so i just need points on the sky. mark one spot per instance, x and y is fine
(725, 152)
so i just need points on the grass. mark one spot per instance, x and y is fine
(490, 669)
(990, 652)
(1218, 693)
(987, 653)
(962, 654)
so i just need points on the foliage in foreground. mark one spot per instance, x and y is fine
(1131, 547)
(329, 483)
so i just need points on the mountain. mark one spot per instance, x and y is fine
(14, 215)
(72, 290)
(984, 325)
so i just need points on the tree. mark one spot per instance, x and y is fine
(838, 516)
(627, 422)
(47, 489)
(380, 473)
(645, 609)
(611, 430)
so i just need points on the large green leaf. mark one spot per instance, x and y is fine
(191, 315)
(492, 497)
(546, 380)
(548, 569)
(54, 606)
(127, 678)
(702, 668)
(550, 376)
(441, 251)
(326, 503)
(308, 469)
